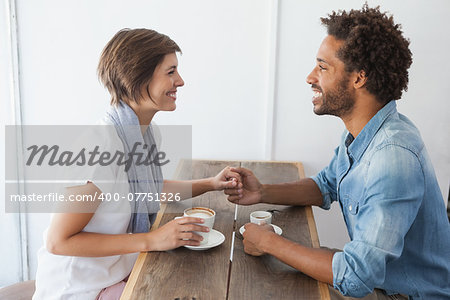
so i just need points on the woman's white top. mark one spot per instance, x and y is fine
(72, 277)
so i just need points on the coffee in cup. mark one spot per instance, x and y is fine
(207, 214)
(260, 217)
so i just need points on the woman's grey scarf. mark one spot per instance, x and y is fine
(142, 178)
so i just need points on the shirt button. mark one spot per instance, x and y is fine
(350, 208)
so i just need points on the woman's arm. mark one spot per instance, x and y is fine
(191, 188)
(65, 235)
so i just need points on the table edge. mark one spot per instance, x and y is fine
(139, 264)
(323, 287)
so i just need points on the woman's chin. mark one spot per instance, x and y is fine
(171, 107)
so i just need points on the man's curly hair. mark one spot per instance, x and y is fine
(375, 44)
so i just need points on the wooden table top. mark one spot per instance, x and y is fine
(184, 274)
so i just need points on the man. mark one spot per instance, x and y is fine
(381, 174)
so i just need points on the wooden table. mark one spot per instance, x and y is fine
(184, 274)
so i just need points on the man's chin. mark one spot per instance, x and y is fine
(317, 110)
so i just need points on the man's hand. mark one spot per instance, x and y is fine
(250, 192)
(254, 236)
(226, 179)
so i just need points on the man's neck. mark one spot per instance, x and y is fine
(364, 109)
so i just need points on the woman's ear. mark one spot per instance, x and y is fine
(360, 79)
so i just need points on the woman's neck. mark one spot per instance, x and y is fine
(145, 116)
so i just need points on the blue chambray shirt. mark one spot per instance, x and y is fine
(394, 212)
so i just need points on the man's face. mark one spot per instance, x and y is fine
(330, 83)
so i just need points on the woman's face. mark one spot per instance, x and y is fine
(163, 85)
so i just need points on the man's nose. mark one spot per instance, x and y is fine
(311, 78)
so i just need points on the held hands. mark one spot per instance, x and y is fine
(254, 236)
(176, 233)
(248, 192)
(226, 179)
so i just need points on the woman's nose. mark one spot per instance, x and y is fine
(180, 81)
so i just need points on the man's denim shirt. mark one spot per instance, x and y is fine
(394, 212)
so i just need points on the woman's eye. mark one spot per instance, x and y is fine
(171, 72)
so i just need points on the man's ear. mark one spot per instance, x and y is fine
(360, 79)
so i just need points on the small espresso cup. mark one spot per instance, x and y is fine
(260, 217)
(207, 214)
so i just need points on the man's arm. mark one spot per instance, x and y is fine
(394, 186)
(314, 262)
(302, 192)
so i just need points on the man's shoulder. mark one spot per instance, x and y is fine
(398, 131)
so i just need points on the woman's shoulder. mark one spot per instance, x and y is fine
(156, 132)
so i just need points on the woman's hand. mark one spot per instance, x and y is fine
(176, 233)
(248, 192)
(226, 179)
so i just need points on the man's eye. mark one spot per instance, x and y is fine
(321, 68)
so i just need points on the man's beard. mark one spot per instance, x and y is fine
(338, 102)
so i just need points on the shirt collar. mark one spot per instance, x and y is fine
(362, 141)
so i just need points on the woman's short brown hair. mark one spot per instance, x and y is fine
(129, 59)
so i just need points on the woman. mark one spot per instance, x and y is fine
(88, 255)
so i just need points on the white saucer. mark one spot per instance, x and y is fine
(215, 239)
(277, 229)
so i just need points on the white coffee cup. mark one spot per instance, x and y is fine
(207, 214)
(259, 217)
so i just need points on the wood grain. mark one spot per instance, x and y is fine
(266, 277)
(183, 273)
(186, 274)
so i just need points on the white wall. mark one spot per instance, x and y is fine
(10, 251)
(225, 64)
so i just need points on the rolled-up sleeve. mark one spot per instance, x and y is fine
(326, 181)
(394, 188)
